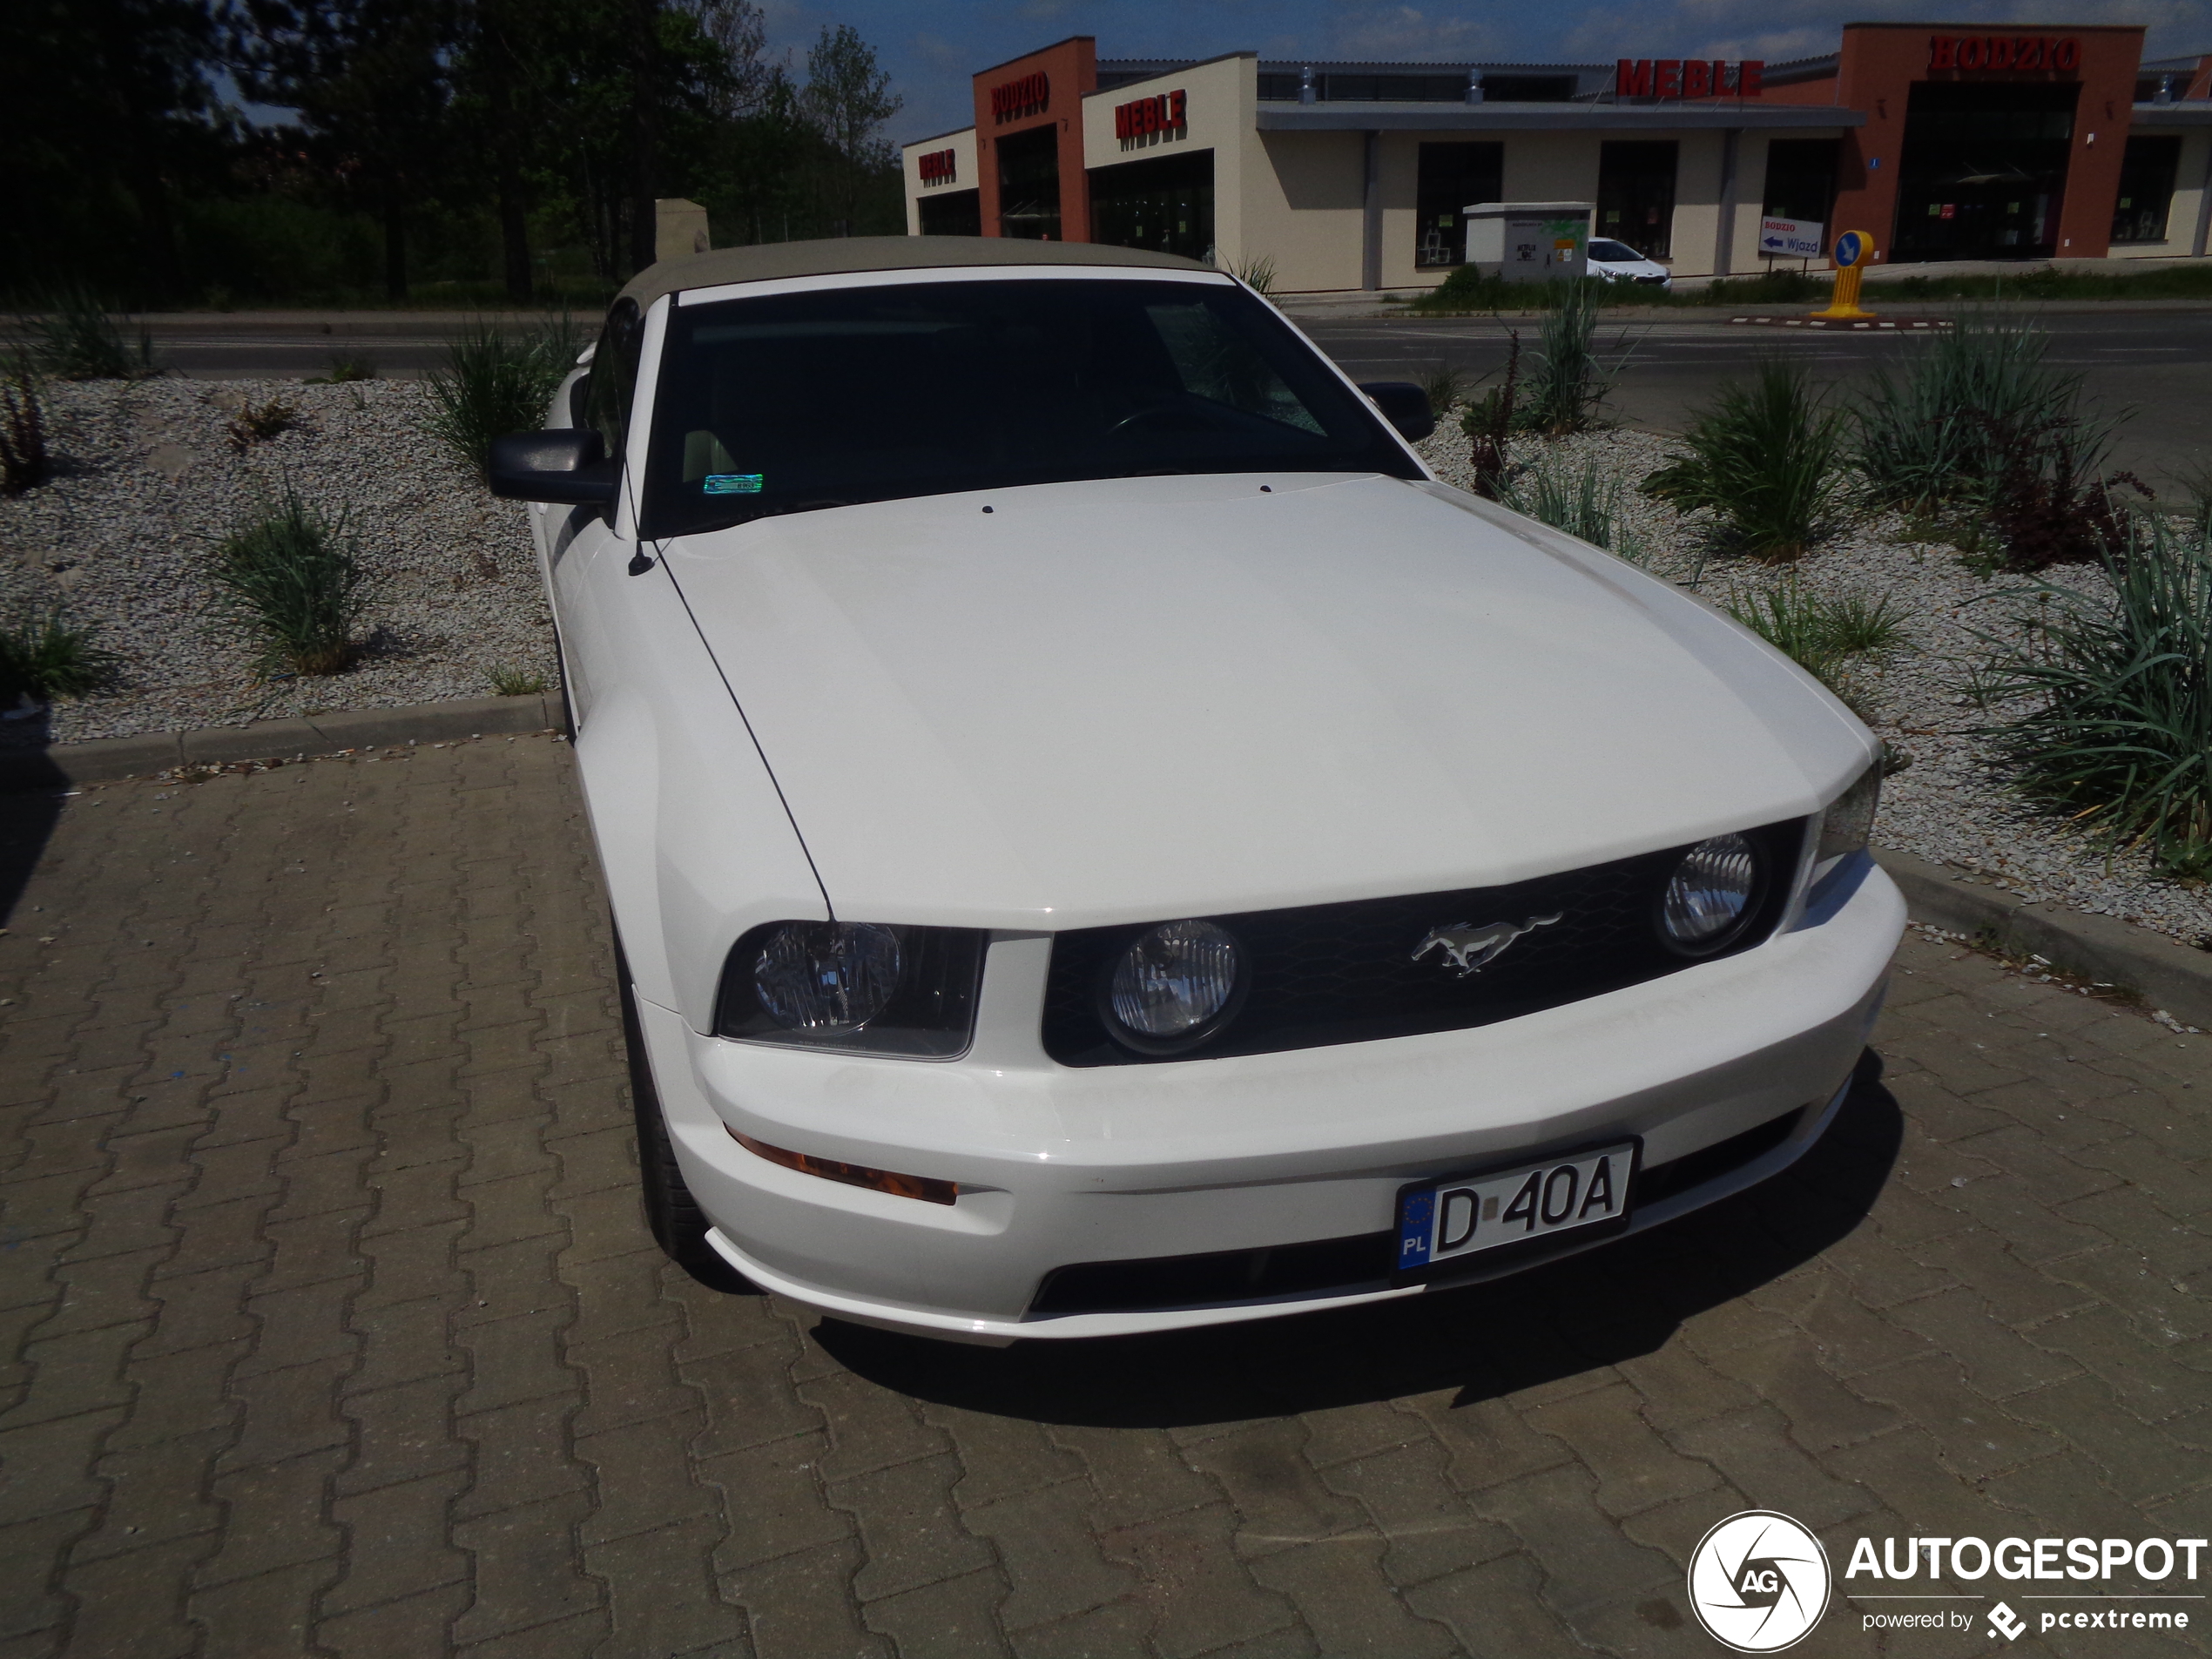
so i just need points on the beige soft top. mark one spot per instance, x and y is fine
(772, 261)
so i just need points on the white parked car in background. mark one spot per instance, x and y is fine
(1100, 841)
(1618, 262)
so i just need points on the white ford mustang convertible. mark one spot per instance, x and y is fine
(1102, 841)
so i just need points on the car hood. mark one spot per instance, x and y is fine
(1069, 704)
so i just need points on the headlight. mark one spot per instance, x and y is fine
(1710, 894)
(1849, 822)
(1174, 987)
(854, 985)
(826, 976)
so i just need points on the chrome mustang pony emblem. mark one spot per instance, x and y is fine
(1468, 948)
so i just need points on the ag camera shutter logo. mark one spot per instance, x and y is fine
(1758, 1582)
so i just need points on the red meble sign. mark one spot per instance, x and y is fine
(1028, 96)
(1688, 78)
(937, 167)
(1167, 113)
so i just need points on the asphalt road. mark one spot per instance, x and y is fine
(2154, 363)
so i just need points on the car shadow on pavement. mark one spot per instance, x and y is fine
(27, 820)
(1609, 1304)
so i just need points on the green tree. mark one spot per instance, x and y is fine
(109, 107)
(368, 80)
(848, 98)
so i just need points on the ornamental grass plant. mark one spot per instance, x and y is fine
(75, 339)
(1831, 636)
(1583, 499)
(493, 383)
(24, 461)
(42, 656)
(292, 576)
(1765, 457)
(1567, 381)
(2114, 691)
(1935, 435)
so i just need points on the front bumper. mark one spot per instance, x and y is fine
(1060, 1166)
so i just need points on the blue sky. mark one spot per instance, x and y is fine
(931, 47)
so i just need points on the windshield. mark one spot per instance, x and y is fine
(801, 401)
(1600, 249)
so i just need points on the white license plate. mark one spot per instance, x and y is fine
(1444, 1220)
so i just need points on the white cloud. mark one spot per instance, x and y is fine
(1361, 29)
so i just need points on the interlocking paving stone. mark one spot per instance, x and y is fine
(329, 1322)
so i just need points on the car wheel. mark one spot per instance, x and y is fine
(679, 1226)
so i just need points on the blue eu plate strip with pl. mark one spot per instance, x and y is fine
(733, 484)
(1418, 1209)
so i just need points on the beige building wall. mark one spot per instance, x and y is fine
(962, 145)
(1303, 196)
(2190, 201)
(1220, 99)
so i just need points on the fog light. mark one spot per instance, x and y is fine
(1173, 986)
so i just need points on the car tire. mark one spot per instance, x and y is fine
(677, 1224)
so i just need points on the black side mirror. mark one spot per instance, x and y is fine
(1405, 406)
(569, 467)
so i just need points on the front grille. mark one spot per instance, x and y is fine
(1343, 972)
(1655, 282)
(1341, 1266)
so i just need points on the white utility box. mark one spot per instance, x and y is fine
(1530, 242)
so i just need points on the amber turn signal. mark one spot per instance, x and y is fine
(925, 1188)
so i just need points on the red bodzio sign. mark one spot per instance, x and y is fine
(1028, 96)
(2004, 51)
(1166, 113)
(937, 167)
(1688, 78)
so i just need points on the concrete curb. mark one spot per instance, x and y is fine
(102, 760)
(2167, 974)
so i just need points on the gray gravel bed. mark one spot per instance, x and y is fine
(123, 537)
(1950, 804)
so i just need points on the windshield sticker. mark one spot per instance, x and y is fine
(733, 484)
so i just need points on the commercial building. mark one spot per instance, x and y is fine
(1943, 141)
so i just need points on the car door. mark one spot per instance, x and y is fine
(575, 540)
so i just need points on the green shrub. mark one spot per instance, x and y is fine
(1446, 386)
(42, 657)
(1568, 382)
(1828, 637)
(2115, 690)
(494, 383)
(76, 340)
(292, 576)
(1584, 501)
(1939, 433)
(1259, 275)
(23, 463)
(1488, 423)
(1764, 457)
(259, 423)
(345, 367)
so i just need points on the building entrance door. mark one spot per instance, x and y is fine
(1983, 170)
(1030, 183)
(1636, 195)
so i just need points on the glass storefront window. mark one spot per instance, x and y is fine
(1029, 184)
(1983, 170)
(954, 213)
(1452, 177)
(1800, 179)
(1636, 195)
(2146, 173)
(1165, 204)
